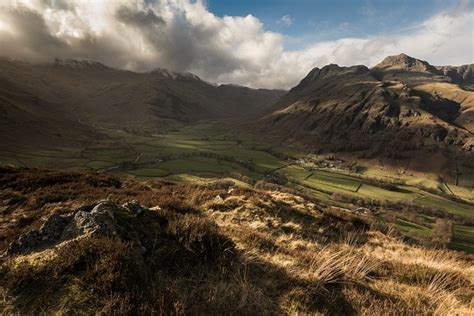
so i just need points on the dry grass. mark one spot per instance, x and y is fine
(253, 252)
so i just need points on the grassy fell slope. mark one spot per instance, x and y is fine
(215, 249)
(69, 99)
(403, 108)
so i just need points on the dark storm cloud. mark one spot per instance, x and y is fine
(182, 35)
(142, 18)
(184, 46)
(32, 32)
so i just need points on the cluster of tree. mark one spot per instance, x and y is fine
(383, 183)
(127, 165)
(138, 132)
(241, 177)
(387, 185)
(355, 168)
(273, 153)
(276, 178)
(442, 233)
(343, 147)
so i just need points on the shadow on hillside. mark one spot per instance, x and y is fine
(326, 227)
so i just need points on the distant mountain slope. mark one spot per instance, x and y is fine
(401, 105)
(462, 74)
(76, 97)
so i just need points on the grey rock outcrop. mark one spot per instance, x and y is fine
(134, 207)
(47, 235)
(98, 219)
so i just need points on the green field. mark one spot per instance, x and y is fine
(208, 150)
(409, 227)
(464, 238)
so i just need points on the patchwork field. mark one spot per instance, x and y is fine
(201, 152)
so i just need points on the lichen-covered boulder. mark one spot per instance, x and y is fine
(98, 219)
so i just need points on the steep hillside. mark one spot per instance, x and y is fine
(70, 100)
(400, 107)
(172, 249)
(459, 74)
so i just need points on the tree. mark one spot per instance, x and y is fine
(442, 234)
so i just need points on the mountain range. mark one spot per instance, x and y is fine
(402, 100)
(69, 100)
(400, 108)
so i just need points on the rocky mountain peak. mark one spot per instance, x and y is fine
(404, 62)
(330, 70)
(78, 63)
(175, 75)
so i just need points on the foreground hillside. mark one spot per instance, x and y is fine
(88, 242)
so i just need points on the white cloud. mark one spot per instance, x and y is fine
(183, 35)
(285, 20)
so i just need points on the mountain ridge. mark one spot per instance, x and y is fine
(401, 106)
(66, 92)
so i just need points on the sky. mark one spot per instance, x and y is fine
(257, 43)
(306, 21)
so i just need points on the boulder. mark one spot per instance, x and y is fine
(48, 233)
(134, 207)
(98, 219)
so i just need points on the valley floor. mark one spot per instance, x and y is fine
(204, 151)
